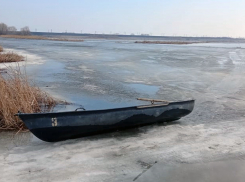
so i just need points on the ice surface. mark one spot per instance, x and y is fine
(105, 74)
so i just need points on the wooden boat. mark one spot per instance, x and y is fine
(52, 127)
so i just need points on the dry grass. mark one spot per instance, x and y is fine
(163, 42)
(10, 57)
(39, 38)
(18, 94)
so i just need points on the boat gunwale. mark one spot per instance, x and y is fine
(104, 110)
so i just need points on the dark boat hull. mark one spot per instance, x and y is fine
(52, 127)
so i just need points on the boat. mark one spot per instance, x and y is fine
(58, 126)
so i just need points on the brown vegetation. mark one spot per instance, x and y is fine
(10, 57)
(18, 94)
(39, 38)
(163, 42)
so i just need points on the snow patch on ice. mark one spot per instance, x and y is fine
(28, 57)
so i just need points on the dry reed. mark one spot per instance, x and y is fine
(1, 49)
(39, 38)
(10, 57)
(163, 42)
(18, 94)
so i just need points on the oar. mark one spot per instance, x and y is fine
(153, 100)
(152, 105)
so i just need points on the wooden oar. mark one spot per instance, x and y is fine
(153, 100)
(152, 105)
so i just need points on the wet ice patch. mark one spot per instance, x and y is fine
(152, 57)
(96, 173)
(223, 61)
(86, 77)
(143, 88)
(87, 54)
(235, 58)
(148, 61)
(93, 88)
(86, 69)
(134, 81)
(82, 68)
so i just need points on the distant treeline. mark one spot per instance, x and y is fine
(11, 30)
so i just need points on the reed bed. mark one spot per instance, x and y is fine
(10, 57)
(39, 38)
(7, 57)
(17, 93)
(163, 42)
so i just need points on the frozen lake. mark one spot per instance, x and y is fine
(99, 74)
(104, 74)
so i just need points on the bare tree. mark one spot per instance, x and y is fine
(25, 31)
(3, 29)
(12, 29)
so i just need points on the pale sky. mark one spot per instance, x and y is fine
(156, 17)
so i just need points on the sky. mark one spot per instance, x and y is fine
(156, 17)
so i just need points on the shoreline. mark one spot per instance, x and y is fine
(29, 58)
(34, 37)
(19, 93)
(168, 42)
